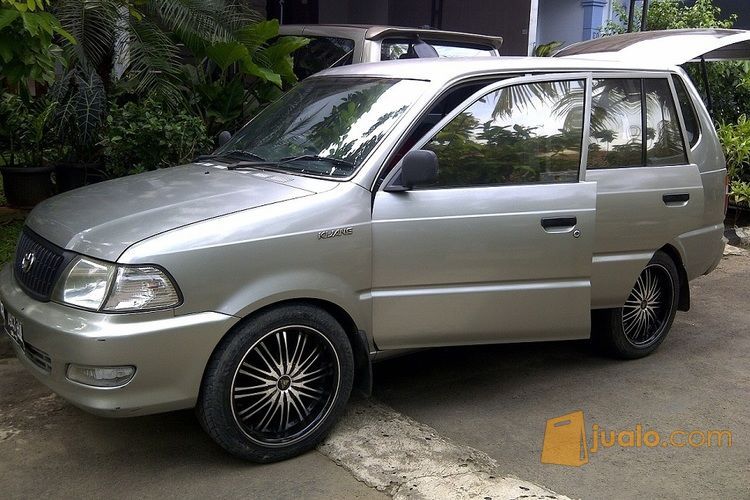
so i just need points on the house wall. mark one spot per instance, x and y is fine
(559, 20)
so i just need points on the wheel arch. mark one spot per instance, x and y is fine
(357, 338)
(683, 302)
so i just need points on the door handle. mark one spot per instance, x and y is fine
(559, 224)
(676, 199)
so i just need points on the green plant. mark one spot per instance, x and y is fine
(669, 14)
(546, 49)
(27, 49)
(79, 114)
(235, 78)
(739, 192)
(147, 136)
(735, 139)
(24, 123)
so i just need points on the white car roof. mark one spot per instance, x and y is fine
(446, 69)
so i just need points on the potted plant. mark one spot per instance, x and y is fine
(27, 175)
(81, 105)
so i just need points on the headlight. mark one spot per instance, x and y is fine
(87, 283)
(96, 285)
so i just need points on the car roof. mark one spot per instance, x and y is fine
(378, 32)
(447, 69)
(670, 47)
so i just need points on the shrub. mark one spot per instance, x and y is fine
(147, 136)
(735, 137)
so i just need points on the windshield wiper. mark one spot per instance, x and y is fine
(329, 159)
(234, 153)
(289, 159)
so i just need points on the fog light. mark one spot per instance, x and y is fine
(101, 376)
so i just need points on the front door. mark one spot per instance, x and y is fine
(500, 248)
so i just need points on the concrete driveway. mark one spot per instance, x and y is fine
(479, 410)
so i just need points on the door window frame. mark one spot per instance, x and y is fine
(642, 75)
(510, 81)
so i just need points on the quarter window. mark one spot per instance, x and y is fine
(692, 125)
(521, 134)
(623, 135)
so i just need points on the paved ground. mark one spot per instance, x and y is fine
(497, 399)
(481, 410)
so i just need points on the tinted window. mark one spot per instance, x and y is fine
(399, 49)
(527, 133)
(663, 135)
(619, 128)
(692, 126)
(322, 53)
(616, 136)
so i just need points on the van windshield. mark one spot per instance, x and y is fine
(325, 126)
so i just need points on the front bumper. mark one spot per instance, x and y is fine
(169, 352)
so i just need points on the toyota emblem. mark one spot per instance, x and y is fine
(27, 262)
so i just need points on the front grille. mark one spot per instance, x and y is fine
(38, 357)
(38, 265)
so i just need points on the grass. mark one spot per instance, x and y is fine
(3, 201)
(10, 230)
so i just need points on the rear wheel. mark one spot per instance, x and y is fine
(641, 325)
(274, 387)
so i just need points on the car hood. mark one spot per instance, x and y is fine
(103, 220)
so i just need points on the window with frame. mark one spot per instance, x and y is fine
(689, 115)
(521, 134)
(623, 135)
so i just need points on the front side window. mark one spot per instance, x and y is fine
(522, 134)
(333, 122)
(393, 48)
(634, 123)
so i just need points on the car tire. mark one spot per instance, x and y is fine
(275, 386)
(641, 325)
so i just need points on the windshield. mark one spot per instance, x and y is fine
(326, 126)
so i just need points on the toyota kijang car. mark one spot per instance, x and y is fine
(374, 208)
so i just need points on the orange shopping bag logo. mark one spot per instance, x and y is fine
(565, 440)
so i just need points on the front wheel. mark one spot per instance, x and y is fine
(638, 327)
(275, 386)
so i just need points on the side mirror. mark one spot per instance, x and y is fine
(418, 168)
(223, 138)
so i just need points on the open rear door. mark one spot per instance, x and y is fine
(672, 47)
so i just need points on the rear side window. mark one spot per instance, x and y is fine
(634, 123)
(322, 53)
(616, 138)
(523, 134)
(692, 125)
(663, 135)
(394, 48)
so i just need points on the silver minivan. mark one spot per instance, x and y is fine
(374, 208)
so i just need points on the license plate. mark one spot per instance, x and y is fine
(13, 327)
